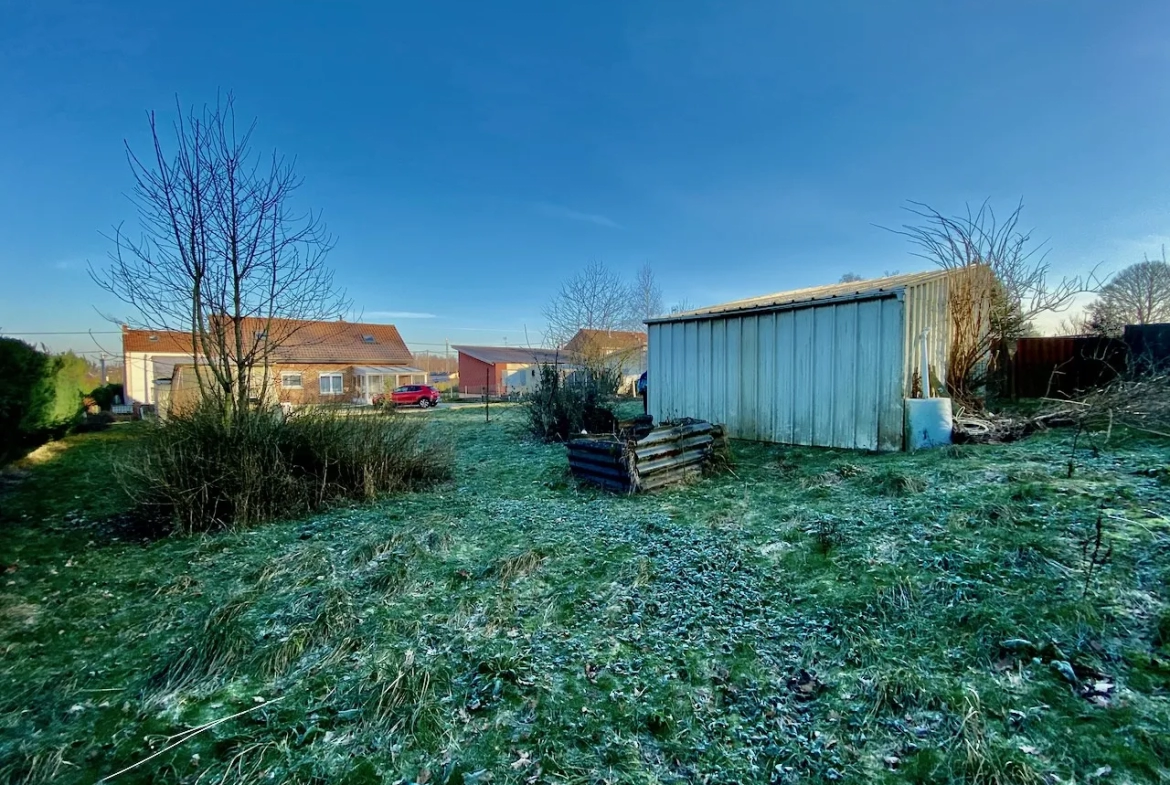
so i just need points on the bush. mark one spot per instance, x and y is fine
(202, 470)
(40, 394)
(65, 385)
(21, 369)
(106, 395)
(565, 405)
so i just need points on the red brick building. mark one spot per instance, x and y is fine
(504, 369)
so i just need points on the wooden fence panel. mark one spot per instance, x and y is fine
(1061, 366)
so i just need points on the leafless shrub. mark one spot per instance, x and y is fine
(201, 472)
(563, 405)
(1140, 403)
(1009, 285)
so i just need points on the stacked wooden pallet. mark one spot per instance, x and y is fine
(671, 453)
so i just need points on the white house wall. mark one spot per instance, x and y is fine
(139, 375)
(826, 375)
(520, 377)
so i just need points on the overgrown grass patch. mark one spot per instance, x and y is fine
(510, 625)
(204, 470)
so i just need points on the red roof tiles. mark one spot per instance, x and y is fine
(299, 341)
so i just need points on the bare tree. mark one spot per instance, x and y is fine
(850, 278)
(594, 299)
(646, 297)
(221, 253)
(1139, 294)
(682, 306)
(1078, 323)
(1007, 285)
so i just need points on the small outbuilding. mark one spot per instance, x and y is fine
(829, 366)
(501, 370)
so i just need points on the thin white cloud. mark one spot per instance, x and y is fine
(489, 329)
(557, 211)
(397, 315)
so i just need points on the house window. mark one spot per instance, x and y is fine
(261, 335)
(290, 381)
(330, 383)
(367, 339)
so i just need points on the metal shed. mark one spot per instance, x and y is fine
(828, 366)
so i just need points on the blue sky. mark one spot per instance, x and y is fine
(470, 155)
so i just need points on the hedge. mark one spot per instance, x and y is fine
(40, 394)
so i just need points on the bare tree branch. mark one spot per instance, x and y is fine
(647, 297)
(594, 299)
(221, 253)
(987, 318)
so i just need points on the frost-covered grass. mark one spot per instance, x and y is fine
(817, 614)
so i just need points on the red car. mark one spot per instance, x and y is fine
(422, 395)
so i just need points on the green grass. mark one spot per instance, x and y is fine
(818, 614)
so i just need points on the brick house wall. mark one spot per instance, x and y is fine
(310, 388)
(185, 388)
(473, 374)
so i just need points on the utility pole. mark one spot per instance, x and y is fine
(103, 364)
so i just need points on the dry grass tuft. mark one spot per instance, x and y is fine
(894, 482)
(404, 695)
(325, 623)
(512, 568)
(978, 759)
(220, 644)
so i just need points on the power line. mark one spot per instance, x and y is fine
(83, 332)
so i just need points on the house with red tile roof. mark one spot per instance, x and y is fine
(624, 350)
(307, 361)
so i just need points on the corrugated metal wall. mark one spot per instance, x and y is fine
(827, 375)
(926, 306)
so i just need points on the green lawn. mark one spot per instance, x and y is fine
(818, 614)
